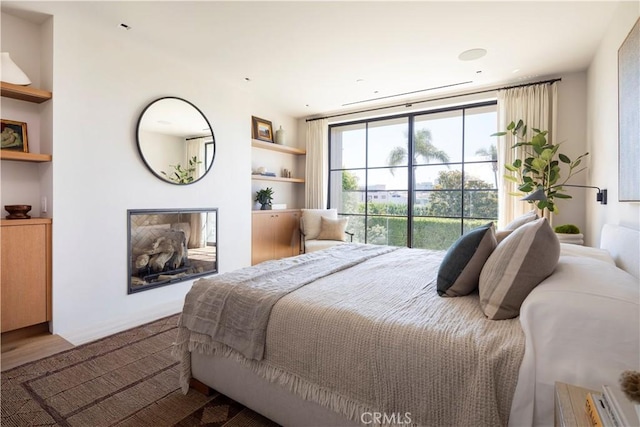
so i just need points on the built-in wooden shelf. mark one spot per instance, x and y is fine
(275, 147)
(21, 156)
(276, 178)
(24, 93)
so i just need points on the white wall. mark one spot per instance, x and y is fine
(571, 133)
(602, 127)
(102, 79)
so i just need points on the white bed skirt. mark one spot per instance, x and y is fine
(269, 399)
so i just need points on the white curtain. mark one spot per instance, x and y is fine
(317, 167)
(195, 148)
(537, 106)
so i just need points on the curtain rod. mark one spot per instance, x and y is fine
(435, 99)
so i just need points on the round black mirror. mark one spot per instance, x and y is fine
(175, 140)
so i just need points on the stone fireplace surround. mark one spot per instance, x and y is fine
(167, 246)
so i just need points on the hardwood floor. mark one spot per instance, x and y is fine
(29, 344)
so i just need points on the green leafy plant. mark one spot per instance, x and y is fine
(264, 197)
(538, 167)
(567, 229)
(182, 175)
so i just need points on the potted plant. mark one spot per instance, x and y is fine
(264, 197)
(538, 169)
(569, 233)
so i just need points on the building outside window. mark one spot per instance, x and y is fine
(419, 180)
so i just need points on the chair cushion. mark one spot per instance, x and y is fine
(332, 229)
(460, 269)
(518, 264)
(316, 245)
(310, 221)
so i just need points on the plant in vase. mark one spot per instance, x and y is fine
(569, 233)
(264, 197)
(538, 168)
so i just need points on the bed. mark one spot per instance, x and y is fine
(371, 342)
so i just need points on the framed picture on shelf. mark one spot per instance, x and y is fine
(261, 129)
(14, 135)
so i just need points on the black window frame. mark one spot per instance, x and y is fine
(411, 117)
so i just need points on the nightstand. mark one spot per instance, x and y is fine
(569, 407)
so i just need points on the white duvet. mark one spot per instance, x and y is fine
(582, 326)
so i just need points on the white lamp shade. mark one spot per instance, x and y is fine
(10, 72)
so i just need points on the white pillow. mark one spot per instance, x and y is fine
(521, 220)
(568, 249)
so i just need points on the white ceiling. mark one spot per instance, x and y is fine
(308, 58)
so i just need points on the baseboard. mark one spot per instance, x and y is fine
(84, 336)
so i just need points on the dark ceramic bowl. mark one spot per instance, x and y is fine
(17, 211)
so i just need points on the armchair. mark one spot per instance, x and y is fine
(321, 229)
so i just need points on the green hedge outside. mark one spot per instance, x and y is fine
(428, 233)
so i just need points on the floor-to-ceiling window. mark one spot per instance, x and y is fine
(418, 180)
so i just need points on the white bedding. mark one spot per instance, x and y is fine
(582, 326)
(377, 337)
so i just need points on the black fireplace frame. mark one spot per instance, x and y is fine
(131, 289)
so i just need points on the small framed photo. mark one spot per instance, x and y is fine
(261, 129)
(14, 135)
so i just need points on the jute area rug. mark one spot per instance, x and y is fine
(127, 379)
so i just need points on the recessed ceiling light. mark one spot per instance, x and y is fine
(472, 54)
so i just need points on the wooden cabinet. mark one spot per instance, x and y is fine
(25, 292)
(25, 264)
(275, 234)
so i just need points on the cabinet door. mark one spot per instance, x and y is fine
(285, 226)
(261, 238)
(24, 276)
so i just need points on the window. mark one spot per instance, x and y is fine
(418, 180)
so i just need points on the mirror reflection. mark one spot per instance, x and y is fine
(175, 140)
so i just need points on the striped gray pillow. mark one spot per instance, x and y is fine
(518, 264)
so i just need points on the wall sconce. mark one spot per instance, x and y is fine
(540, 194)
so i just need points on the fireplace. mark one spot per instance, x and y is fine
(170, 246)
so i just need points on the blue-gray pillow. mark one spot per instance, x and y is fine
(459, 272)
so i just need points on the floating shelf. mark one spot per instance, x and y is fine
(24, 93)
(276, 178)
(275, 147)
(21, 156)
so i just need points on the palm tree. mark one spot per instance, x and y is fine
(492, 152)
(422, 148)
